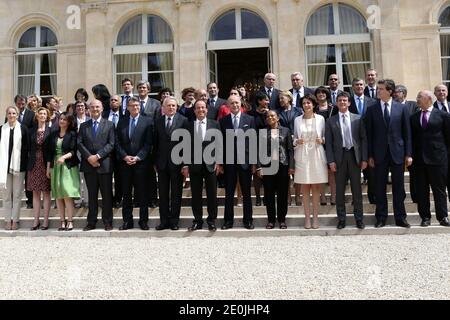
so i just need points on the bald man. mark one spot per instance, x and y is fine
(269, 89)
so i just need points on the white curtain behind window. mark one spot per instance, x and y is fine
(52, 68)
(26, 65)
(321, 22)
(351, 21)
(355, 52)
(445, 52)
(317, 54)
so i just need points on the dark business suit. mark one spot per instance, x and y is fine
(139, 144)
(412, 108)
(274, 98)
(102, 143)
(306, 91)
(213, 109)
(368, 92)
(348, 162)
(278, 183)
(287, 117)
(338, 91)
(233, 169)
(389, 144)
(170, 179)
(430, 152)
(439, 106)
(123, 106)
(368, 173)
(199, 171)
(28, 120)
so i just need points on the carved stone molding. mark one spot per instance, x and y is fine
(178, 3)
(95, 6)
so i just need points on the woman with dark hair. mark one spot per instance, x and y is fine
(37, 181)
(62, 168)
(326, 109)
(101, 93)
(310, 160)
(81, 95)
(14, 140)
(164, 93)
(186, 109)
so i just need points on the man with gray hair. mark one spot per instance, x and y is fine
(269, 89)
(298, 90)
(431, 142)
(441, 93)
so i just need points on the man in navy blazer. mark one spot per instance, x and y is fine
(298, 90)
(234, 121)
(269, 89)
(389, 141)
(133, 145)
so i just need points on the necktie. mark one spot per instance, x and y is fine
(297, 101)
(444, 108)
(169, 124)
(200, 130)
(372, 94)
(142, 106)
(386, 115)
(132, 127)
(269, 93)
(333, 98)
(347, 134)
(360, 106)
(114, 119)
(94, 128)
(235, 123)
(424, 119)
(21, 116)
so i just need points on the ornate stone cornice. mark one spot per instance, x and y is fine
(95, 6)
(178, 3)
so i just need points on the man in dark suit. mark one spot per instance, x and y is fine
(25, 118)
(238, 162)
(431, 143)
(214, 102)
(95, 141)
(441, 93)
(389, 137)
(333, 83)
(133, 145)
(127, 88)
(400, 96)
(170, 178)
(371, 79)
(270, 90)
(298, 90)
(151, 108)
(346, 148)
(200, 169)
(113, 115)
(359, 103)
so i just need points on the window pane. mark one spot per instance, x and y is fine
(26, 85)
(26, 64)
(446, 69)
(444, 19)
(48, 85)
(321, 22)
(48, 38)
(445, 45)
(133, 77)
(253, 27)
(321, 54)
(128, 63)
(318, 75)
(351, 71)
(28, 39)
(356, 52)
(158, 30)
(160, 61)
(351, 21)
(224, 28)
(159, 81)
(131, 32)
(48, 63)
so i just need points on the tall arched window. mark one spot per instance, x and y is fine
(337, 41)
(36, 62)
(444, 20)
(144, 51)
(238, 49)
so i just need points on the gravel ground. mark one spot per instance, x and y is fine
(356, 267)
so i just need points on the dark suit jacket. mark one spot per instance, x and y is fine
(367, 93)
(33, 146)
(396, 137)
(305, 92)
(412, 107)
(210, 124)
(102, 144)
(213, 111)
(24, 148)
(285, 149)
(246, 122)
(274, 99)
(28, 119)
(431, 145)
(334, 139)
(69, 144)
(139, 144)
(126, 113)
(287, 118)
(152, 109)
(366, 104)
(163, 145)
(435, 105)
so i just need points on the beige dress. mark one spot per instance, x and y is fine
(310, 158)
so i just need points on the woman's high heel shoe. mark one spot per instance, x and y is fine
(44, 226)
(63, 226)
(34, 228)
(69, 225)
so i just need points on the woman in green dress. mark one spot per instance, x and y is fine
(62, 168)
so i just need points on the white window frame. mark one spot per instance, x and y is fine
(37, 51)
(337, 39)
(143, 49)
(445, 32)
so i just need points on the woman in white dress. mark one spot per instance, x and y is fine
(310, 159)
